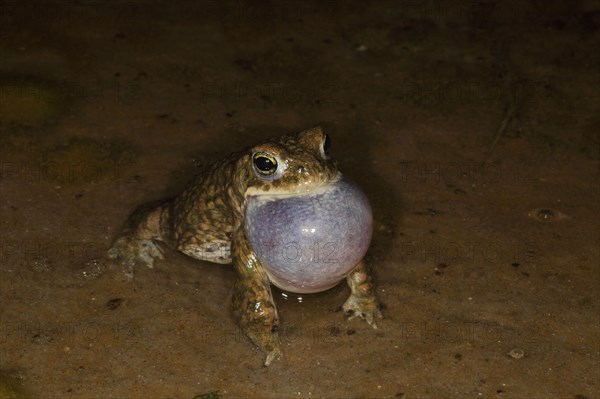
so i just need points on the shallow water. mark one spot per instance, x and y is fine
(486, 264)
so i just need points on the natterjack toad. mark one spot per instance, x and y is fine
(282, 213)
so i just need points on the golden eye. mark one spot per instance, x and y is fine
(265, 164)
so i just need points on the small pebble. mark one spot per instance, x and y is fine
(545, 214)
(516, 353)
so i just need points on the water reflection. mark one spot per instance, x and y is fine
(290, 296)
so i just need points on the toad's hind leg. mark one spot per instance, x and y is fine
(137, 241)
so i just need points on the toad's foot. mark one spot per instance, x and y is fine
(367, 308)
(362, 301)
(130, 251)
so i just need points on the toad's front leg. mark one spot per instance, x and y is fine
(362, 301)
(137, 242)
(252, 302)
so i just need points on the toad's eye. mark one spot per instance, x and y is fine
(265, 164)
(326, 145)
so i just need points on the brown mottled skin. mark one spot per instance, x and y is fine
(207, 222)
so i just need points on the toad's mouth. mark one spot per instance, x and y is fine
(306, 188)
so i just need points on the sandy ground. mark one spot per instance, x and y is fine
(485, 252)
